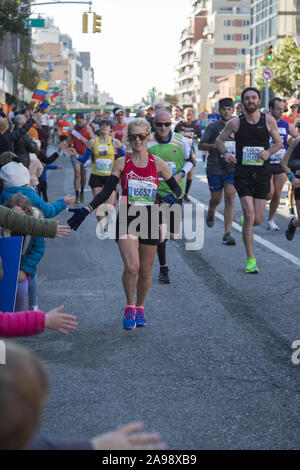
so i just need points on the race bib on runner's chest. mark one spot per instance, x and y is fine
(250, 156)
(141, 193)
(65, 129)
(230, 146)
(103, 165)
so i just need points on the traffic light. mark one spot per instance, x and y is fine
(85, 23)
(153, 91)
(96, 23)
(270, 52)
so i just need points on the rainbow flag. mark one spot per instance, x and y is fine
(52, 97)
(40, 91)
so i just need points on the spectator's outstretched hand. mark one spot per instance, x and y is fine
(62, 230)
(69, 199)
(61, 322)
(128, 438)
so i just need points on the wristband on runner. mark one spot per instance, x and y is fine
(291, 176)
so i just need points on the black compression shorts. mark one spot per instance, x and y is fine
(276, 169)
(97, 181)
(173, 222)
(124, 227)
(253, 184)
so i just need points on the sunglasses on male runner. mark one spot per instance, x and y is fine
(161, 124)
(132, 137)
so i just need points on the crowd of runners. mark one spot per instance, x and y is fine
(141, 172)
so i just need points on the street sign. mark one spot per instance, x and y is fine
(35, 23)
(267, 73)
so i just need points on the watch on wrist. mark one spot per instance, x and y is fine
(182, 173)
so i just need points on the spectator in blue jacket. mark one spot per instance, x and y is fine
(16, 179)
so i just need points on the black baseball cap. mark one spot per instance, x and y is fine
(79, 116)
(226, 102)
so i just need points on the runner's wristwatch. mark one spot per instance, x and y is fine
(182, 173)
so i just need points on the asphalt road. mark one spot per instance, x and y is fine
(212, 370)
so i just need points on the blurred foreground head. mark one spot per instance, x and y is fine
(23, 390)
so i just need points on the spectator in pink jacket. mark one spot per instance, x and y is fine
(34, 322)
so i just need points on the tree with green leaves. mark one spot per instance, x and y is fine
(285, 63)
(13, 14)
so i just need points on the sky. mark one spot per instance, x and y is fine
(137, 48)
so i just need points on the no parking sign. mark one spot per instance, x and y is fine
(267, 73)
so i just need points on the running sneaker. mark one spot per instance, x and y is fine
(129, 318)
(251, 266)
(291, 229)
(163, 275)
(272, 226)
(140, 316)
(210, 219)
(291, 211)
(228, 239)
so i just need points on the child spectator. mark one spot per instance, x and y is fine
(16, 178)
(31, 323)
(32, 251)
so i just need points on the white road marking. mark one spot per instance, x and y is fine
(293, 259)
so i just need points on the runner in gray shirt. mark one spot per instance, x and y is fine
(219, 173)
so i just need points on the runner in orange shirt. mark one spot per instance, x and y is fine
(63, 126)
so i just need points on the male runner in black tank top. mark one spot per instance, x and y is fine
(252, 176)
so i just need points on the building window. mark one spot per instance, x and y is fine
(243, 51)
(246, 37)
(211, 65)
(229, 37)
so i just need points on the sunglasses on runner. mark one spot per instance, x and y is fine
(161, 124)
(142, 137)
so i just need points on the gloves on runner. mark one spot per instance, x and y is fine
(76, 220)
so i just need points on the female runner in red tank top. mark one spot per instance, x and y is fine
(139, 179)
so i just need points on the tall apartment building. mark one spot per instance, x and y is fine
(65, 68)
(214, 45)
(271, 20)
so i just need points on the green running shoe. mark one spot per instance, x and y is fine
(251, 266)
